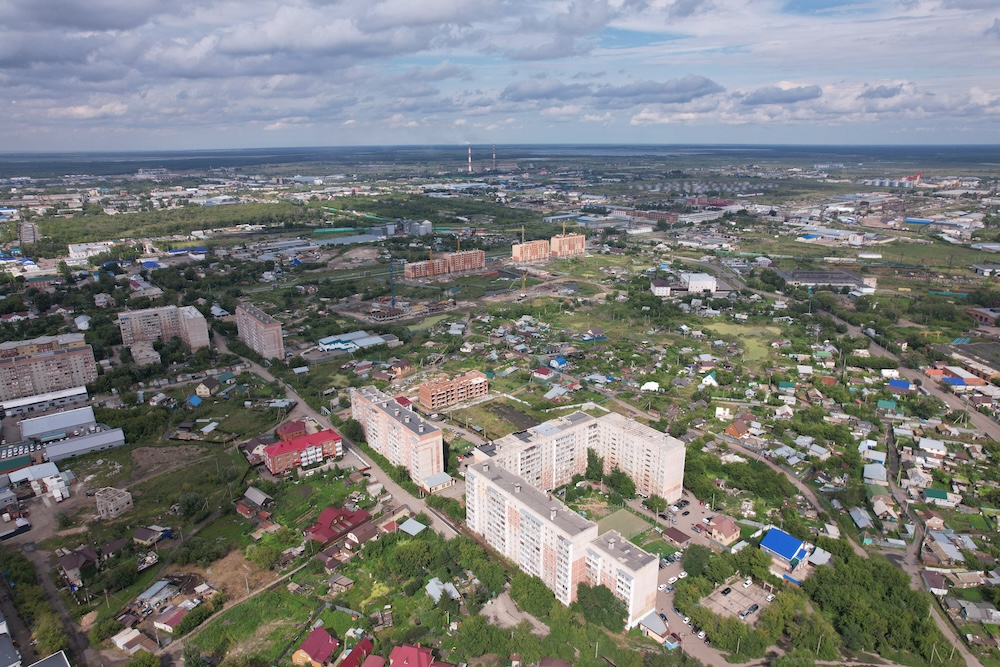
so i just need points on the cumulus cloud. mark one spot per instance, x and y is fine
(994, 30)
(881, 91)
(674, 91)
(333, 69)
(777, 95)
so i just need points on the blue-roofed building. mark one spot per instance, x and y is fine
(558, 363)
(782, 547)
(899, 386)
(194, 401)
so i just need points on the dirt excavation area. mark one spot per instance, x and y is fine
(151, 460)
(354, 257)
(505, 614)
(231, 575)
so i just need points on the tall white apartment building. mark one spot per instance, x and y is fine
(402, 436)
(550, 541)
(547, 456)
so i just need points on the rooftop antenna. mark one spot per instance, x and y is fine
(470, 158)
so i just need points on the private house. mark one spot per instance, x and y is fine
(335, 523)
(414, 655)
(785, 550)
(724, 530)
(73, 562)
(738, 429)
(170, 618)
(358, 655)
(317, 650)
(207, 388)
(147, 537)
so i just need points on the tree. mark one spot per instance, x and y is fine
(352, 430)
(191, 503)
(191, 655)
(531, 594)
(656, 503)
(104, 629)
(696, 559)
(143, 659)
(595, 466)
(50, 634)
(620, 483)
(599, 605)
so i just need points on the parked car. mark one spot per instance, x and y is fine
(661, 587)
(687, 620)
(748, 583)
(770, 597)
(701, 634)
(754, 607)
(727, 590)
(685, 512)
(672, 580)
(663, 617)
(682, 574)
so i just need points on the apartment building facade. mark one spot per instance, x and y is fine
(551, 454)
(548, 540)
(260, 331)
(400, 435)
(530, 251)
(164, 323)
(568, 245)
(440, 393)
(304, 450)
(45, 364)
(452, 262)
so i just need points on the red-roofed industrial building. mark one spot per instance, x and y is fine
(317, 650)
(305, 450)
(334, 523)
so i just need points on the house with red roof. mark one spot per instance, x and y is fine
(738, 429)
(725, 531)
(170, 618)
(335, 523)
(414, 655)
(358, 654)
(302, 451)
(291, 430)
(319, 649)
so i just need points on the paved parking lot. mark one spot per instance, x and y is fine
(738, 600)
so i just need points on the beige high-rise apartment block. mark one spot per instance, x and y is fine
(568, 245)
(45, 364)
(548, 540)
(164, 323)
(443, 392)
(260, 331)
(550, 454)
(401, 435)
(530, 251)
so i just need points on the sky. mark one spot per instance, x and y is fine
(82, 75)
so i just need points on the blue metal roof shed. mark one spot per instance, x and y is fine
(779, 543)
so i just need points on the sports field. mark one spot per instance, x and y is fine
(624, 522)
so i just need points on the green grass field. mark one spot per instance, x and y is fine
(259, 627)
(624, 522)
(754, 338)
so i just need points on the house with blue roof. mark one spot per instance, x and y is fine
(194, 401)
(899, 386)
(559, 363)
(786, 550)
